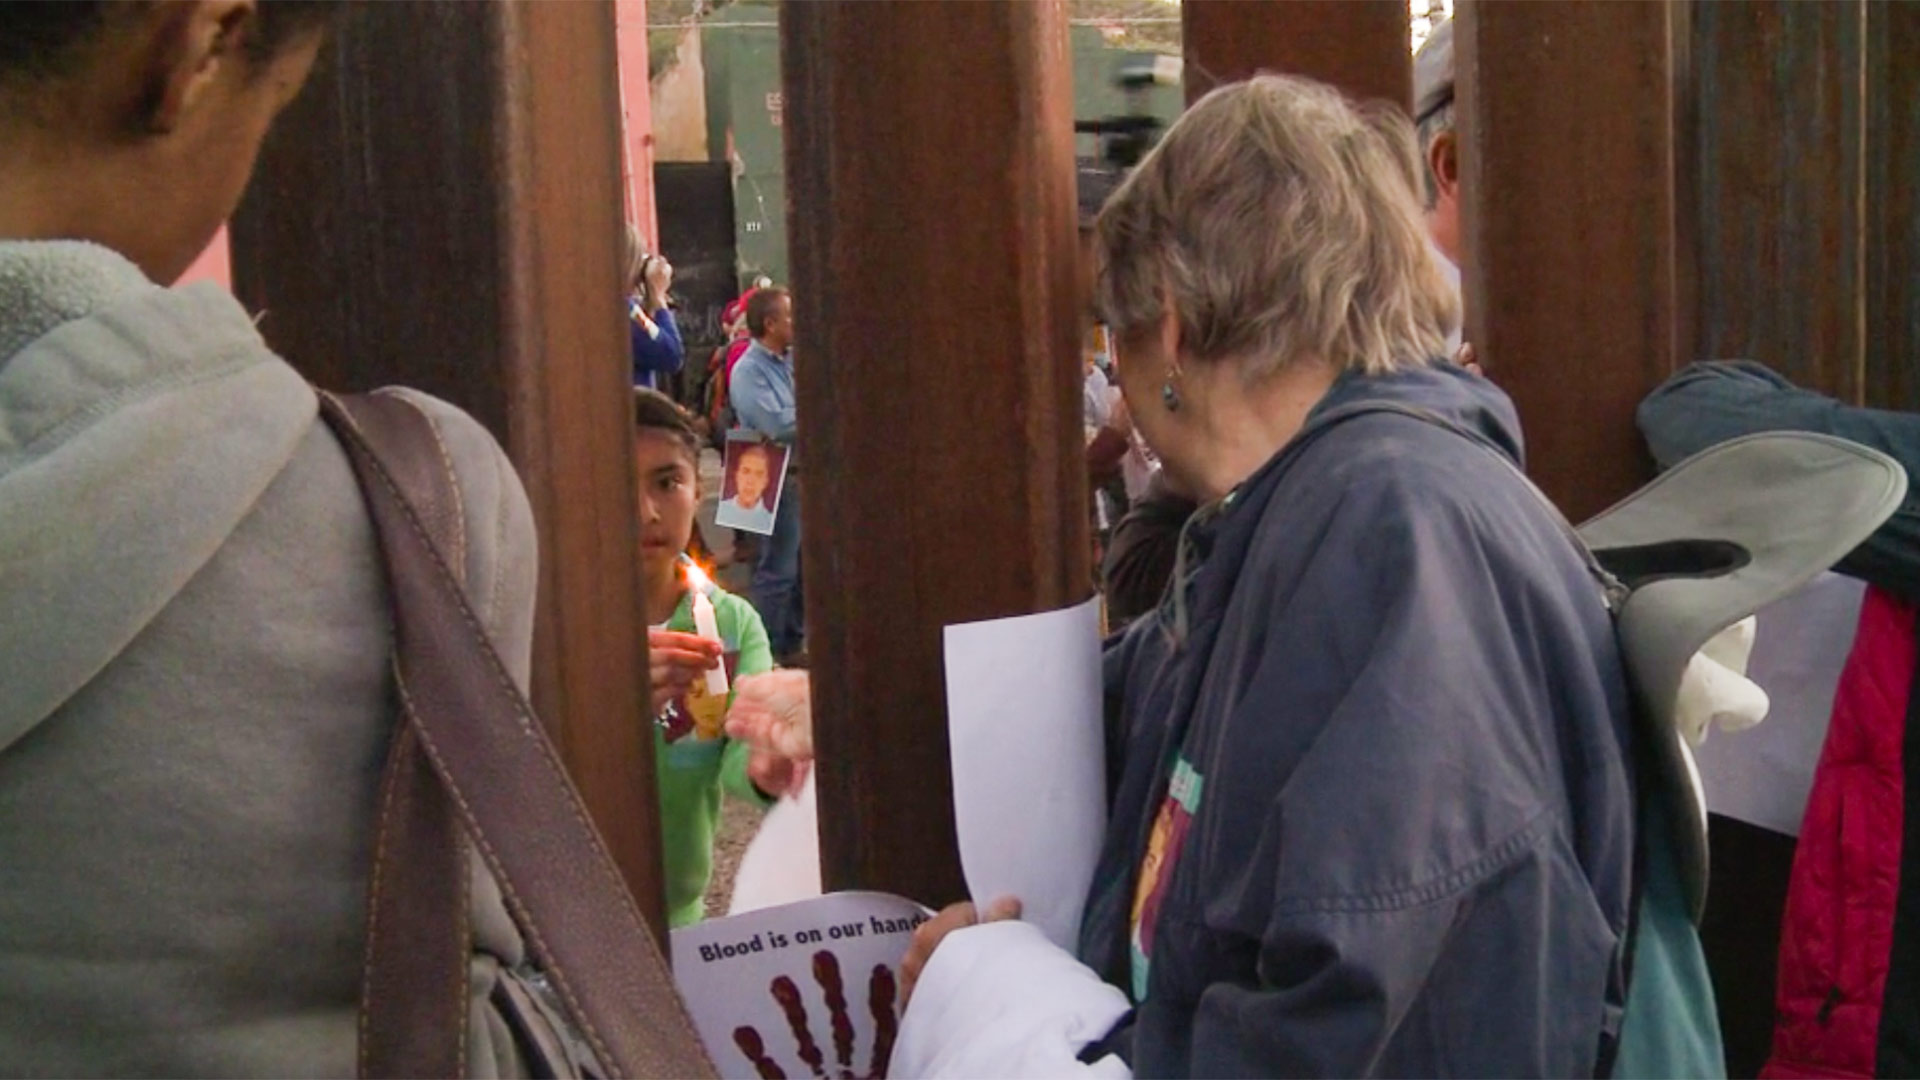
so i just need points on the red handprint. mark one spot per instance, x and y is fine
(882, 1001)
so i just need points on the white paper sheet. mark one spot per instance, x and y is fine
(782, 864)
(808, 989)
(1029, 783)
(1762, 776)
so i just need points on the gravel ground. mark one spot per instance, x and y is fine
(738, 822)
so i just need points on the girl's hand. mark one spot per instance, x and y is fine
(674, 660)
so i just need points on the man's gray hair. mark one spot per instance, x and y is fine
(1437, 123)
(1433, 97)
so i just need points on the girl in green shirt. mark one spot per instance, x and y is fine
(694, 760)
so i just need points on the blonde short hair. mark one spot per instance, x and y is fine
(633, 249)
(1282, 223)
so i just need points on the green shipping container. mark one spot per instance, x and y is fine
(745, 113)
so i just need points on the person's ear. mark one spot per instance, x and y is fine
(1443, 160)
(193, 45)
(1169, 331)
(1172, 344)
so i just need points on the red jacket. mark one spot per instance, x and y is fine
(1847, 999)
(735, 350)
(1849, 923)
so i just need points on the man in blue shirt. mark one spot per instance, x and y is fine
(761, 390)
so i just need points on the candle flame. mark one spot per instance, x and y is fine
(697, 578)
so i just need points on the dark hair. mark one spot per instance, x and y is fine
(655, 411)
(761, 306)
(44, 38)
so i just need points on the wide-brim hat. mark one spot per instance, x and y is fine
(1715, 539)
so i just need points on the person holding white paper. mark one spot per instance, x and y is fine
(1373, 809)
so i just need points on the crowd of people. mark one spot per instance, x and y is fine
(748, 397)
(1377, 803)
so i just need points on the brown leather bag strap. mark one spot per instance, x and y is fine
(414, 997)
(508, 789)
(414, 1008)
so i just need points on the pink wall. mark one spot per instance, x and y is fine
(636, 104)
(214, 264)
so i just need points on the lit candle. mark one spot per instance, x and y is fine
(707, 625)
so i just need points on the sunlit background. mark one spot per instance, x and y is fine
(1428, 14)
(1155, 24)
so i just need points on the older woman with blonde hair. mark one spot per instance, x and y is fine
(658, 352)
(1372, 800)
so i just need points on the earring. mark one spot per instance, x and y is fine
(1169, 396)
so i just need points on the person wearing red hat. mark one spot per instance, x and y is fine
(741, 338)
(733, 318)
(719, 406)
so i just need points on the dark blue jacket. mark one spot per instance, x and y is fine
(1708, 404)
(653, 356)
(1403, 723)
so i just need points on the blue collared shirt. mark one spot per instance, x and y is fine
(762, 393)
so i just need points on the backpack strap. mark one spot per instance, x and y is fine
(470, 760)
(1611, 588)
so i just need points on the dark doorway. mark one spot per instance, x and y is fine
(695, 201)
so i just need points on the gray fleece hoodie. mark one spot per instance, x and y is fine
(195, 696)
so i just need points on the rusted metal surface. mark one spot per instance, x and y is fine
(1772, 172)
(1802, 143)
(431, 213)
(1893, 206)
(1571, 263)
(930, 175)
(1360, 46)
(1776, 161)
